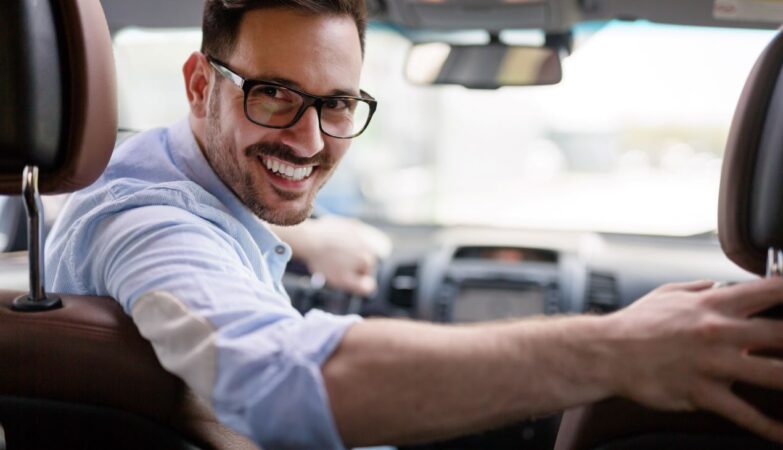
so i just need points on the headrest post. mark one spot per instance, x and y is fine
(36, 300)
(774, 263)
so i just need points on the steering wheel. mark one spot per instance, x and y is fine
(310, 291)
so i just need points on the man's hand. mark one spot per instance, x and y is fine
(683, 345)
(345, 251)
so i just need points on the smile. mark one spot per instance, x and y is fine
(287, 171)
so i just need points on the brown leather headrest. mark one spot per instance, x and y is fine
(750, 210)
(65, 122)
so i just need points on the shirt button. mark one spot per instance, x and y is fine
(280, 250)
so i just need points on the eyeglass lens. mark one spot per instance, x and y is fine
(277, 106)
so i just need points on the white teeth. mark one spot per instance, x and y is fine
(294, 173)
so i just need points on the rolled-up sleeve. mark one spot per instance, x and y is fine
(218, 323)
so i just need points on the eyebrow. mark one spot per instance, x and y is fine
(295, 85)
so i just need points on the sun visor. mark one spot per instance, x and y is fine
(494, 15)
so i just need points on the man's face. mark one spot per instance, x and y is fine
(320, 55)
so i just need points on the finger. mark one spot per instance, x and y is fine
(377, 241)
(367, 264)
(722, 401)
(690, 286)
(366, 286)
(760, 334)
(361, 285)
(759, 371)
(746, 299)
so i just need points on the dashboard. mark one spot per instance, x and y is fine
(470, 274)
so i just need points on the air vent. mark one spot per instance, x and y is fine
(402, 289)
(602, 294)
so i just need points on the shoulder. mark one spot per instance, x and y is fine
(127, 209)
(166, 223)
(143, 156)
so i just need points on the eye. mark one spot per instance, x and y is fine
(270, 91)
(271, 94)
(336, 104)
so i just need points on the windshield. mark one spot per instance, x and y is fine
(631, 140)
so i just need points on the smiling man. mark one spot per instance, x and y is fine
(272, 64)
(177, 231)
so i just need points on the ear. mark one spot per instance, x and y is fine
(198, 78)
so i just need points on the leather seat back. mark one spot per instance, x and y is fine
(750, 215)
(79, 376)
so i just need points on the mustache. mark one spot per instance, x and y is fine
(287, 154)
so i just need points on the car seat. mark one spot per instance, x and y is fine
(74, 371)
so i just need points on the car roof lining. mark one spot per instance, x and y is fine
(493, 15)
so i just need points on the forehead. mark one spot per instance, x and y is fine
(320, 53)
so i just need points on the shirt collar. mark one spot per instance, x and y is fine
(188, 157)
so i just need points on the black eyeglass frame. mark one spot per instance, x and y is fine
(308, 100)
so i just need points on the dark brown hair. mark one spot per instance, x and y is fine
(222, 18)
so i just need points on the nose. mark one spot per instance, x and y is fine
(305, 135)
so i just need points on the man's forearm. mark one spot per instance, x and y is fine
(679, 348)
(396, 382)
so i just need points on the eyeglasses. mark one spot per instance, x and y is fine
(274, 105)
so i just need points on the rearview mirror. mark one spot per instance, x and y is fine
(483, 66)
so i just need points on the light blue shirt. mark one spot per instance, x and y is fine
(201, 276)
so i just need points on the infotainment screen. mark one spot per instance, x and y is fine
(479, 303)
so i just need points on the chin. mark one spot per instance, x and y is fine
(285, 215)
